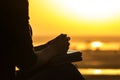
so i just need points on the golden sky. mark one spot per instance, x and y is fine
(75, 17)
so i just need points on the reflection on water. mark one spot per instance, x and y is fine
(95, 45)
(100, 56)
(91, 71)
(85, 43)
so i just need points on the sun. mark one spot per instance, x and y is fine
(85, 17)
(96, 45)
(87, 9)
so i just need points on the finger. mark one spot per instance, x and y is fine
(68, 38)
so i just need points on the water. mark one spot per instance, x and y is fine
(100, 65)
(83, 43)
(100, 59)
(101, 77)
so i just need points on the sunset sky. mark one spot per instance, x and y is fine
(75, 17)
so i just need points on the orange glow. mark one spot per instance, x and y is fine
(75, 17)
(97, 71)
(92, 71)
(16, 68)
(96, 45)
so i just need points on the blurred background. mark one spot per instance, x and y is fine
(94, 28)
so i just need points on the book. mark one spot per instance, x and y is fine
(71, 56)
(74, 55)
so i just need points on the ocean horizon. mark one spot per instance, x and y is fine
(82, 38)
(85, 43)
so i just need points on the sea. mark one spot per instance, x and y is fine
(98, 63)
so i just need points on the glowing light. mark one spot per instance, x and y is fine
(16, 68)
(75, 17)
(89, 9)
(97, 71)
(96, 44)
(92, 71)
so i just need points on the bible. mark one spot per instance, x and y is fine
(71, 56)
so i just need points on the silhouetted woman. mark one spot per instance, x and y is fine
(17, 49)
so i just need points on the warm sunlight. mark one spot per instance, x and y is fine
(75, 17)
(96, 45)
(97, 71)
(89, 9)
(91, 71)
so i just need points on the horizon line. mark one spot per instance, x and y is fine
(85, 38)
